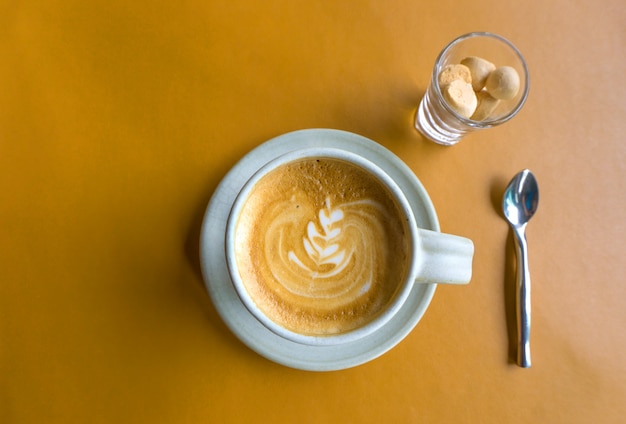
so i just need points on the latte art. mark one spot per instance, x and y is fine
(335, 256)
(321, 246)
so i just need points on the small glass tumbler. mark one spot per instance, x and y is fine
(437, 121)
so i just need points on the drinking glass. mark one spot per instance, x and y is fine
(437, 121)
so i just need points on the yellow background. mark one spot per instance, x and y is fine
(119, 118)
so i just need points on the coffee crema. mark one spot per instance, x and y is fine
(321, 246)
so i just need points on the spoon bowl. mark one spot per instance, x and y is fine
(519, 204)
(521, 198)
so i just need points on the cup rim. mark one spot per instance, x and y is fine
(405, 286)
(488, 122)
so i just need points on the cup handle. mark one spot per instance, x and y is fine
(444, 258)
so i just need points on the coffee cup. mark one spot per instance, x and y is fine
(323, 248)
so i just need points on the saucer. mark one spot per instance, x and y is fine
(222, 292)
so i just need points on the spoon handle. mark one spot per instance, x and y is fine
(523, 298)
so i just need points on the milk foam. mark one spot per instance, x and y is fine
(326, 266)
(321, 246)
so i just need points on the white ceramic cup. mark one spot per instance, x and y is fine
(435, 258)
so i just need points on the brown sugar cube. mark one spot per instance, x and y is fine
(486, 105)
(503, 83)
(479, 70)
(454, 72)
(460, 97)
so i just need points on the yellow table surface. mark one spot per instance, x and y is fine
(118, 119)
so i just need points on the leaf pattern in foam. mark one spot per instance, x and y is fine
(319, 245)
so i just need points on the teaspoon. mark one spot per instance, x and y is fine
(519, 204)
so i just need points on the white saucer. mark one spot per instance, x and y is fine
(247, 328)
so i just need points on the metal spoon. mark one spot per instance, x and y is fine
(519, 204)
